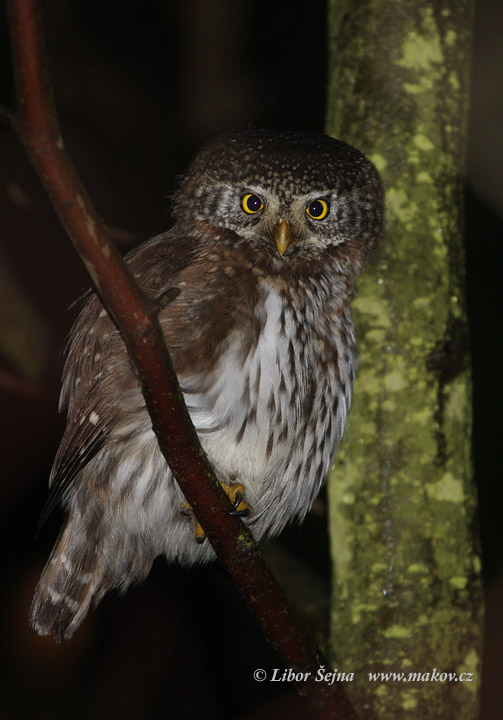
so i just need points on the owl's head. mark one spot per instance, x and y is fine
(294, 194)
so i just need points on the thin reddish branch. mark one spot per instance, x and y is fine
(135, 317)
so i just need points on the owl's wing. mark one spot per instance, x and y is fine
(97, 372)
(80, 443)
(90, 350)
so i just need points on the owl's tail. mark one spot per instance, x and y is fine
(69, 581)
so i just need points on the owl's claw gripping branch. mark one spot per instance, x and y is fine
(235, 493)
(240, 508)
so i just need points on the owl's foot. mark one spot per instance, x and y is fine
(236, 493)
(240, 508)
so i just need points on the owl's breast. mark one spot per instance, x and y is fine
(272, 415)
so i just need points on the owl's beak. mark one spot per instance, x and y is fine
(283, 236)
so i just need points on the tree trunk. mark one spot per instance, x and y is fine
(407, 587)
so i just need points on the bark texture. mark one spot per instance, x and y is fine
(407, 587)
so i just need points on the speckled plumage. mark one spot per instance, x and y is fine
(264, 348)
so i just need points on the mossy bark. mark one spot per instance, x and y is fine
(407, 588)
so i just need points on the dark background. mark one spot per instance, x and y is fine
(139, 85)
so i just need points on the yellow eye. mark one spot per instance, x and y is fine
(251, 203)
(318, 209)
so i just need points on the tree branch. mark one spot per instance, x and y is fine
(136, 318)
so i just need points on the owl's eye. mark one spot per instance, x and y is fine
(318, 209)
(251, 203)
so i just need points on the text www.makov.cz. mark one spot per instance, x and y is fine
(289, 675)
(431, 676)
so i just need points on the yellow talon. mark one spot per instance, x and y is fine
(236, 493)
(199, 533)
(240, 507)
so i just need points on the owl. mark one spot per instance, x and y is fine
(271, 230)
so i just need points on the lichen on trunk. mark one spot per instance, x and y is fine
(407, 588)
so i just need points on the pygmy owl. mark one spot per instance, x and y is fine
(271, 230)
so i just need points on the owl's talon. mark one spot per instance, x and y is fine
(235, 512)
(237, 498)
(235, 493)
(199, 533)
(240, 513)
(240, 508)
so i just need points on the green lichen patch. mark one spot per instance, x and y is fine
(447, 488)
(422, 50)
